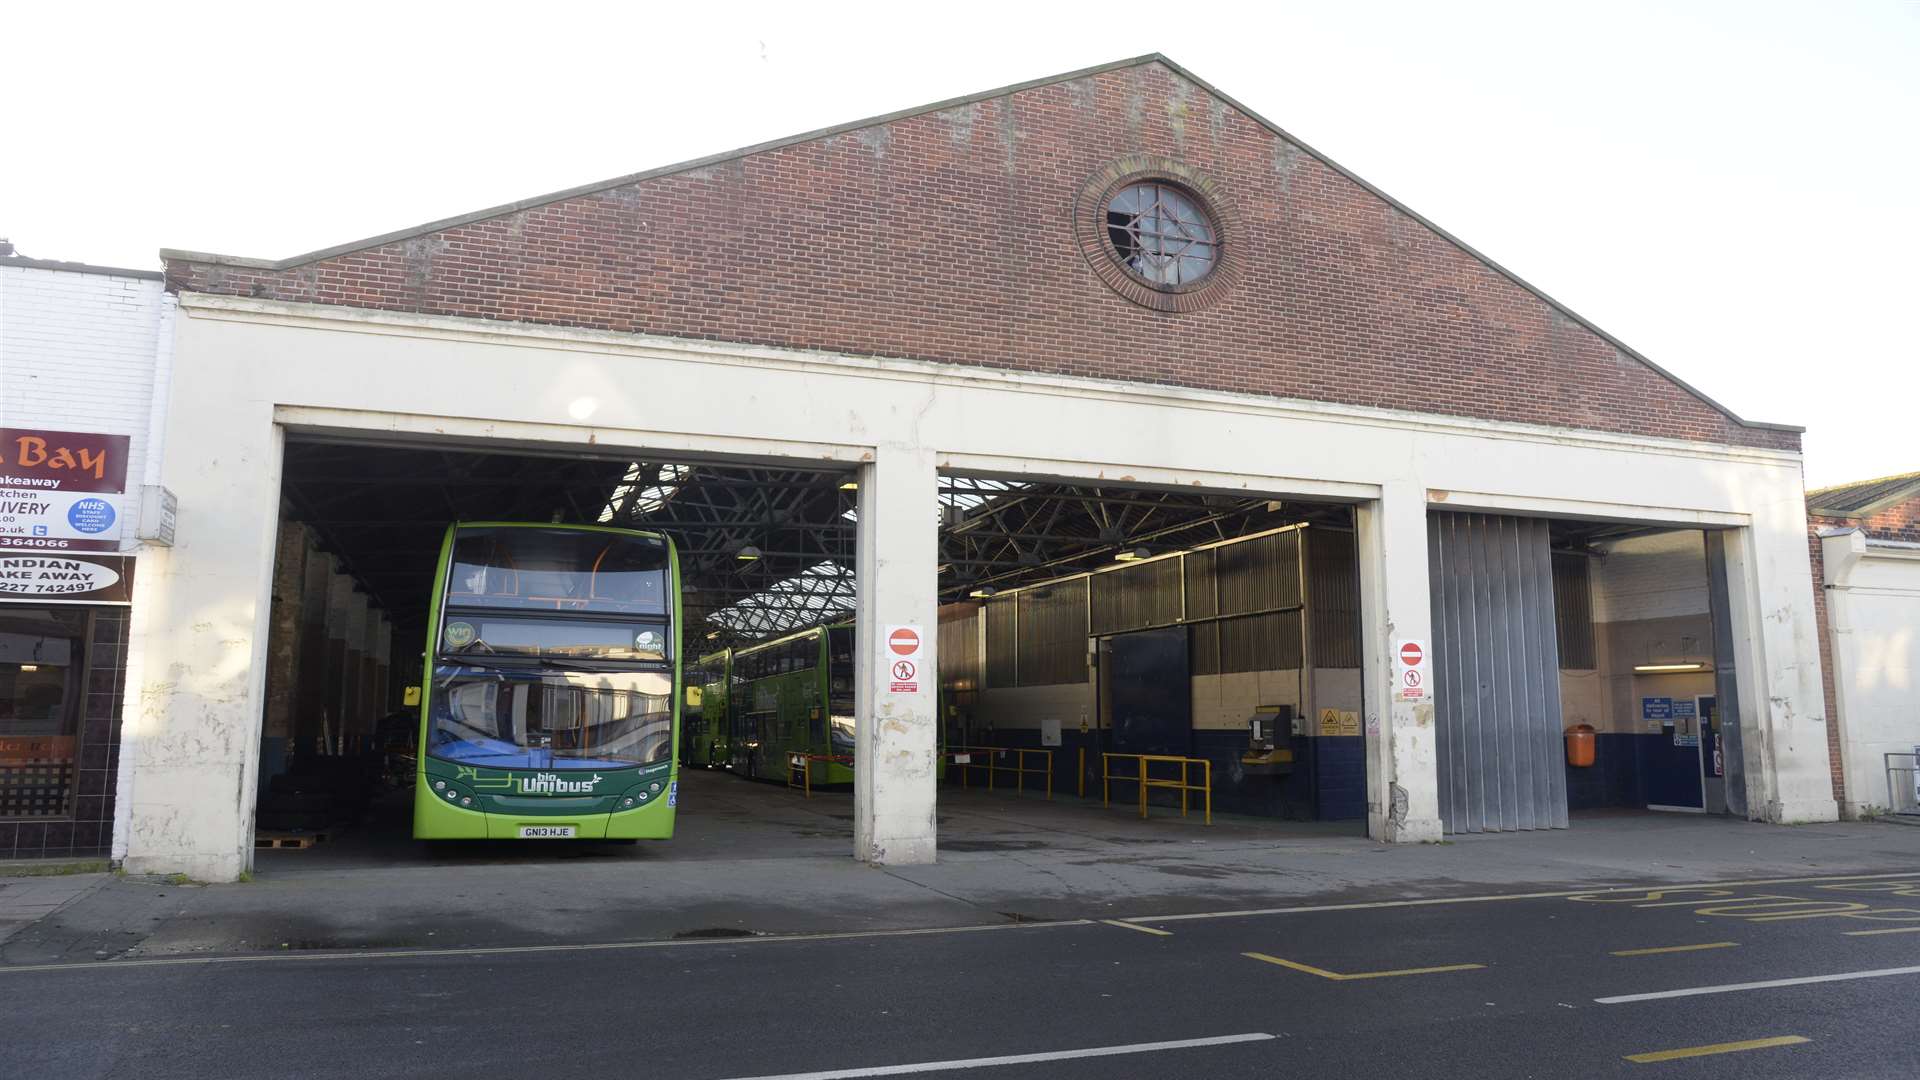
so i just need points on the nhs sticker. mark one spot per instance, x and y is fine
(673, 793)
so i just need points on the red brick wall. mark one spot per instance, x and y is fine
(948, 236)
(1900, 521)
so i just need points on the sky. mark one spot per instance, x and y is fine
(1727, 187)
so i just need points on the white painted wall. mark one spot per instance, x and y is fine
(1651, 577)
(250, 370)
(79, 351)
(1873, 615)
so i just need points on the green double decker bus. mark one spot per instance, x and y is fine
(551, 707)
(766, 703)
(791, 695)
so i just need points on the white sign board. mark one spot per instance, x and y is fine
(159, 511)
(900, 654)
(59, 520)
(1412, 670)
(1049, 731)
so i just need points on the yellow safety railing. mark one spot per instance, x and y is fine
(801, 766)
(1146, 780)
(963, 758)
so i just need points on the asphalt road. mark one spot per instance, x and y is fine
(1490, 987)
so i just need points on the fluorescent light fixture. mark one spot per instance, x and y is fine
(1663, 669)
(1134, 554)
(850, 485)
(747, 554)
(713, 635)
(983, 592)
(29, 667)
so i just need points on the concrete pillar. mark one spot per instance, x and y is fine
(283, 647)
(333, 687)
(353, 717)
(896, 734)
(190, 750)
(310, 695)
(1403, 779)
(383, 702)
(1770, 601)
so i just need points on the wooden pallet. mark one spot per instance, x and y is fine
(287, 840)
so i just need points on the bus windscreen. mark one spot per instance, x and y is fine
(531, 719)
(576, 570)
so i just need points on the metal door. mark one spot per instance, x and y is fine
(1152, 696)
(1496, 674)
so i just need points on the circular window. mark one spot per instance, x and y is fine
(1161, 234)
(1158, 232)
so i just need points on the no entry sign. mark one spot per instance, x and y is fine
(904, 640)
(902, 659)
(1411, 673)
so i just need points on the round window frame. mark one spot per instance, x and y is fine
(1090, 218)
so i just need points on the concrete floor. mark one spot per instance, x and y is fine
(725, 817)
(754, 859)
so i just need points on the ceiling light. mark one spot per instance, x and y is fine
(1134, 554)
(29, 667)
(1663, 669)
(983, 592)
(747, 554)
(713, 635)
(850, 485)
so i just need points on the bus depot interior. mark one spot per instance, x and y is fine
(1088, 634)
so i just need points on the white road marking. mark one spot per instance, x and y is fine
(1734, 988)
(1124, 925)
(1558, 894)
(1018, 1059)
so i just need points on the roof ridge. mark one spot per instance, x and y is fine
(1914, 475)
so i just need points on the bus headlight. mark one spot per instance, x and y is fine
(466, 800)
(627, 801)
(439, 785)
(655, 787)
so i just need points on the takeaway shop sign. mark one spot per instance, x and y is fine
(65, 579)
(60, 490)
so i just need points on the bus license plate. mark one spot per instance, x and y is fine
(546, 832)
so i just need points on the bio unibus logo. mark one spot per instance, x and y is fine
(547, 783)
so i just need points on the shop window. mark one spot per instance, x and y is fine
(42, 684)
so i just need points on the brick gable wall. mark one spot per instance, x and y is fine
(948, 236)
(1900, 521)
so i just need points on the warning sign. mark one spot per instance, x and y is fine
(902, 658)
(1411, 671)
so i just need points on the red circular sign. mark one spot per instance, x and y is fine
(904, 641)
(903, 671)
(1411, 655)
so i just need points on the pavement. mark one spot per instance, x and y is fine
(26, 899)
(758, 860)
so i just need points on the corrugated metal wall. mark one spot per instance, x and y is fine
(1496, 674)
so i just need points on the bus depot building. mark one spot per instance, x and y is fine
(1106, 417)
